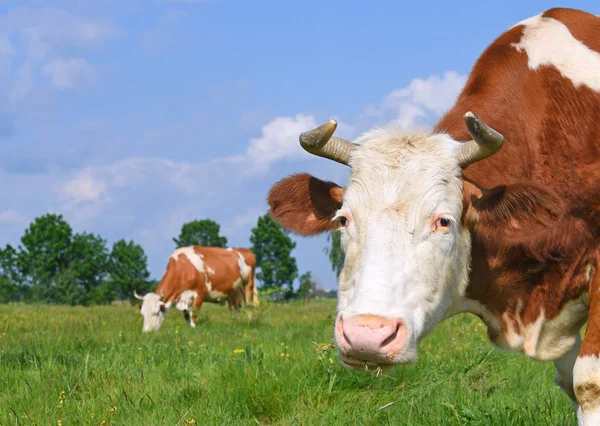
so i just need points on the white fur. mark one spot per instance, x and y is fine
(528, 21)
(587, 370)
(395, 265)
(564, 370)
(548, 42)
(150, 310)
(186, 300)
(245, 269)
(186, 303)
(215, 296)
(194, 258)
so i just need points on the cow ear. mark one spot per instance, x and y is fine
(304, 204)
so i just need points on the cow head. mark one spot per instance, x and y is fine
(153, 309)
(406, 251)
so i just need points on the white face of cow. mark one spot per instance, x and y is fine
(406, 251)
(154, 312)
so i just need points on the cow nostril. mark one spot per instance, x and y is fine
(391, 337)
(346, 338)
(340, 330)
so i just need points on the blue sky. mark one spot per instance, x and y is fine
(133, 117)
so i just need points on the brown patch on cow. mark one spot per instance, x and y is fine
(588, 395)
(305, 204)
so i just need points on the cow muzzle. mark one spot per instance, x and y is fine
(367, 342)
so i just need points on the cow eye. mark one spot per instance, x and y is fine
(343, 220)
(443, 224)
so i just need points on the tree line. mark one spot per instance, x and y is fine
(52, 264)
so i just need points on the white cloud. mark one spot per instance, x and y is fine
(46, 29)
(84, 188)
(44, 35)
(422, 99)
(70, 73)
(435, 93)
(13, 217)
(279, 140)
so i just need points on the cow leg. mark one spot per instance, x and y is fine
(195, 308)
(249, 291)
(586, 374)
(234, 301)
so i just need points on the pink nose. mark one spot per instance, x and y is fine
(371, 337)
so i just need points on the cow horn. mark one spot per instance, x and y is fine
(486, 141)
(137, 296)
(321, 142)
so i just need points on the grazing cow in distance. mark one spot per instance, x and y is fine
(195, 275)
(438, 223)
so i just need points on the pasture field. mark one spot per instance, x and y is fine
(93, 366)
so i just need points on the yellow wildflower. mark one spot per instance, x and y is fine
(239, 351)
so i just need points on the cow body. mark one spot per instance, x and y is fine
(199, 274)
(513, 238)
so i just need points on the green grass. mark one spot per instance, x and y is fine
(70, 366)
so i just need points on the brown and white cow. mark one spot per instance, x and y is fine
(195, 275)
(439, 223)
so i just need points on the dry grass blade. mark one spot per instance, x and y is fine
(383, 407)
(324, 347)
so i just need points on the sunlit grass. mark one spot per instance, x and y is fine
(62, 365)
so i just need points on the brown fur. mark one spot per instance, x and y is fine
(305, 204)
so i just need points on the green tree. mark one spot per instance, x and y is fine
(88, 268)
(67, 289)
(306, 284)
(272, 248)
(44, 254)
(204, 232)
(334, 252)
(128, 267)
(9, 276)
